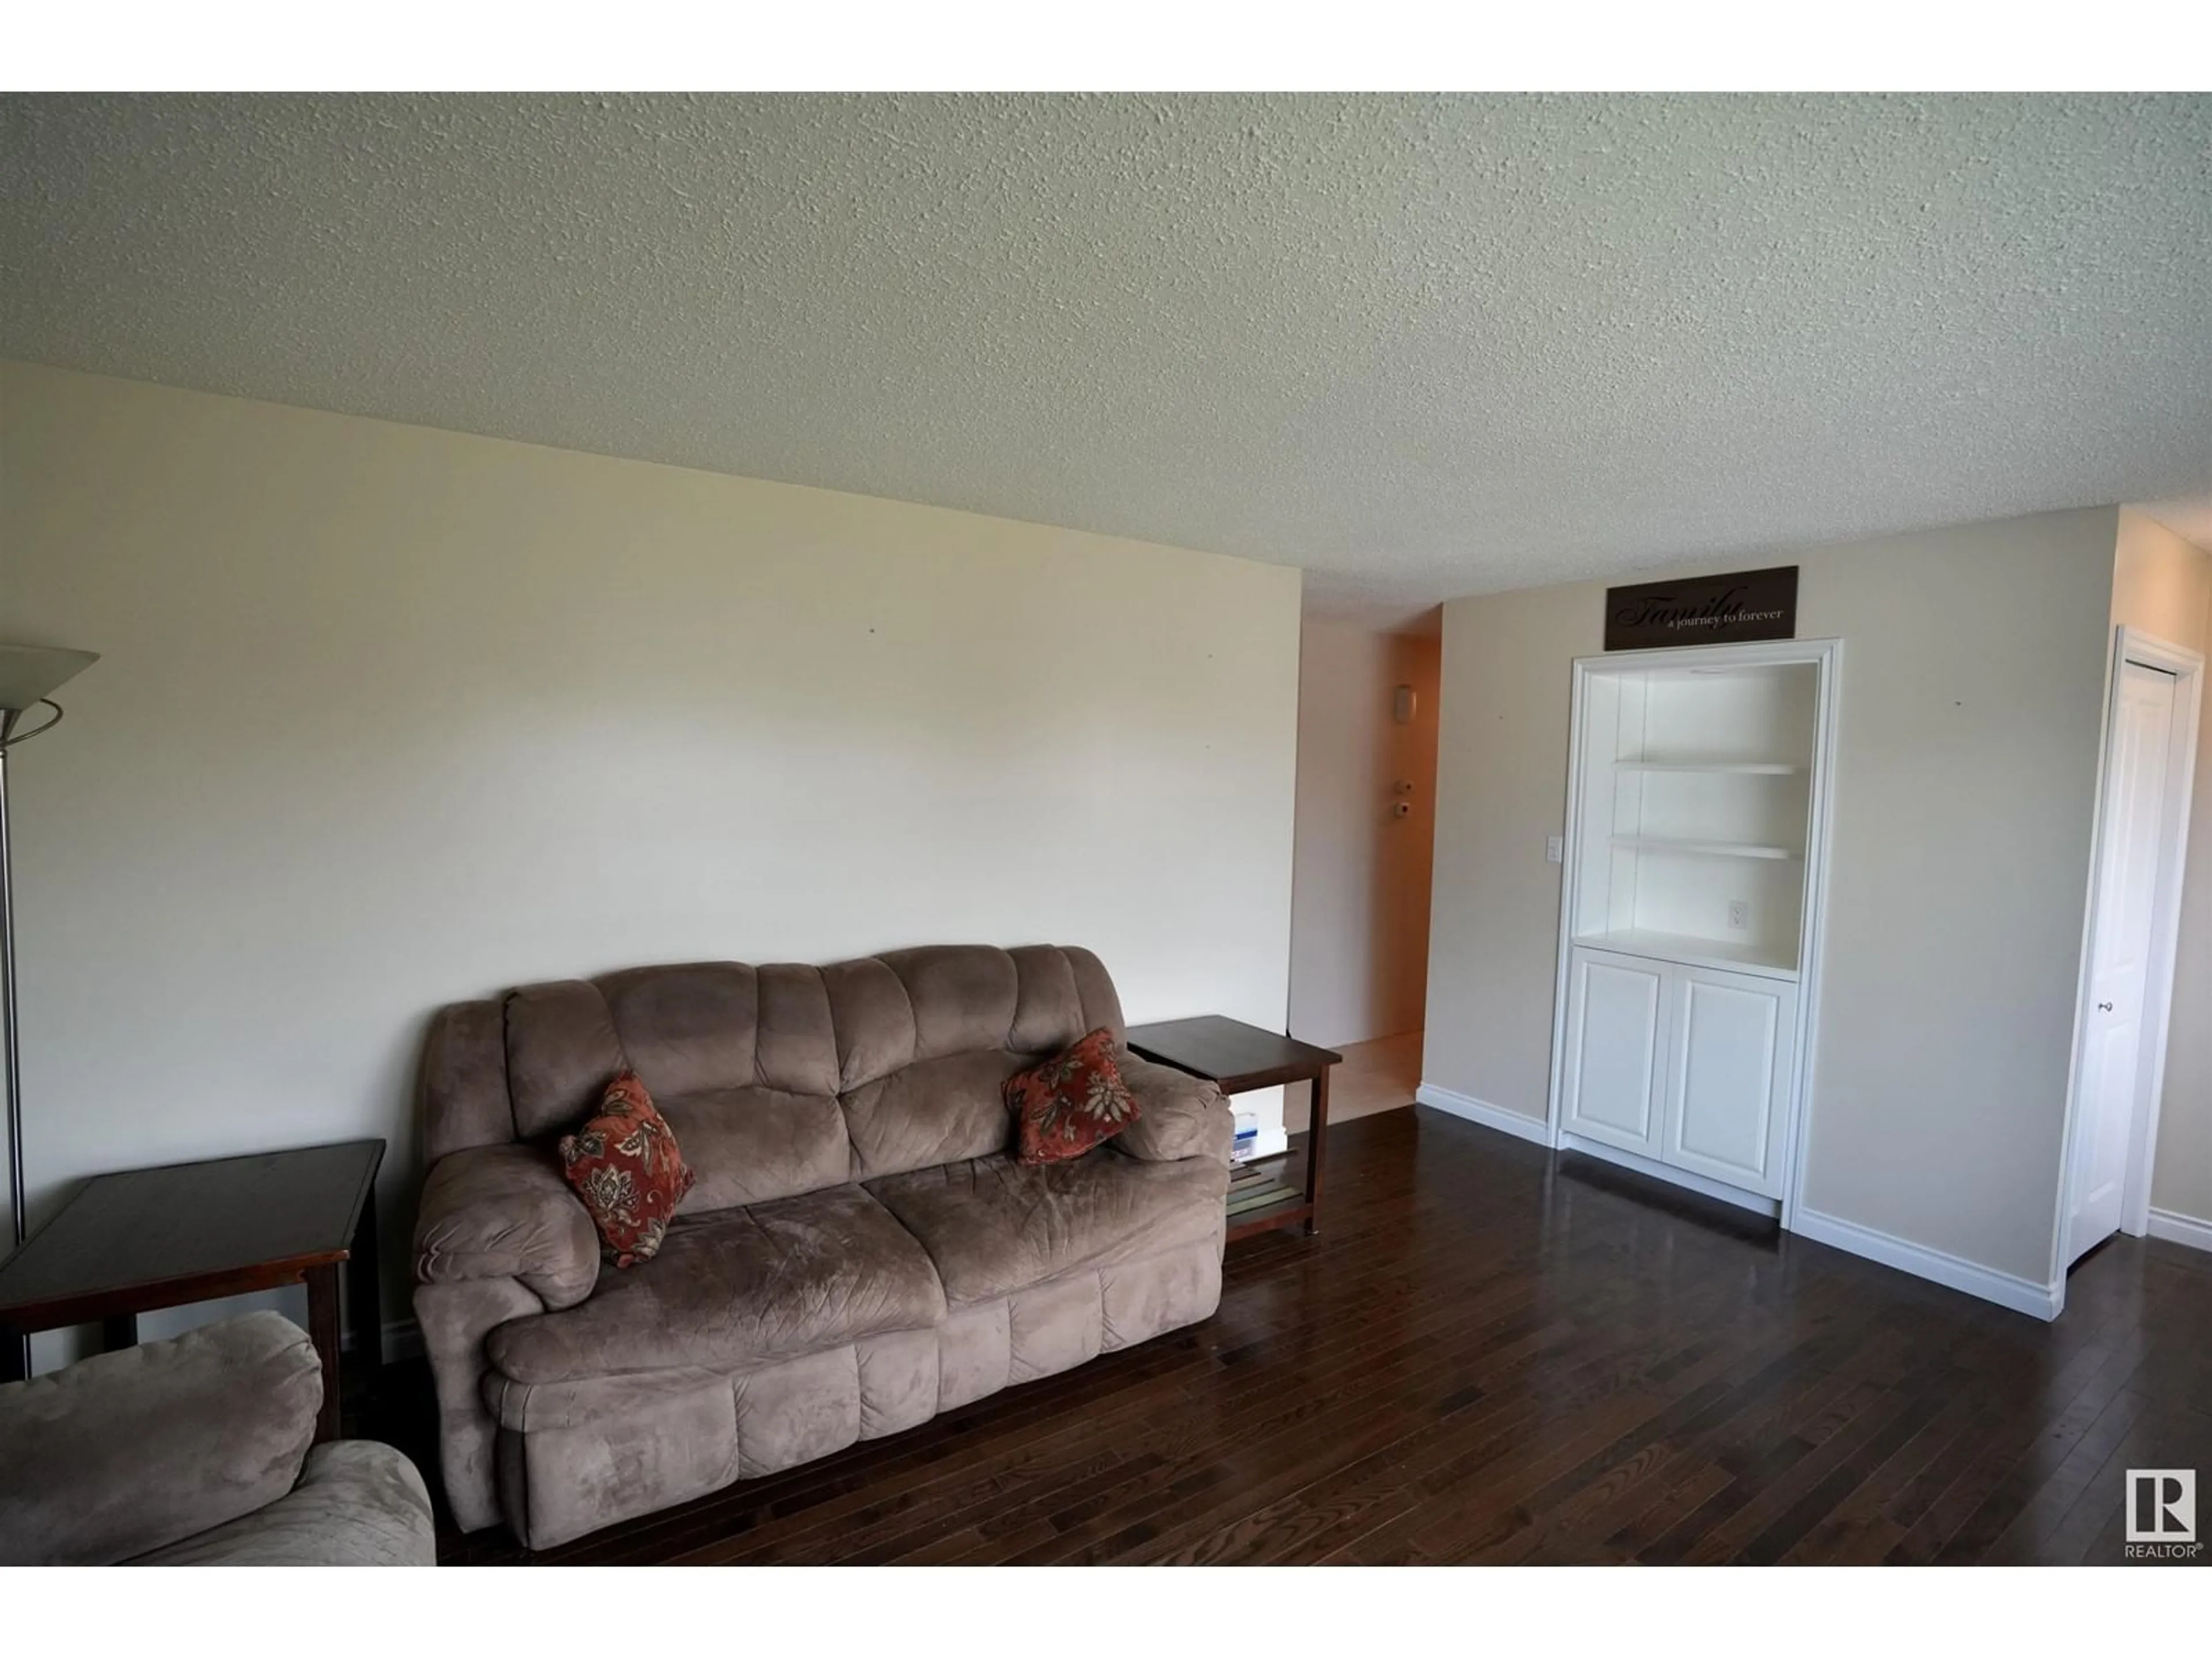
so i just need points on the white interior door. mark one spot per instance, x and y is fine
(1609, 1087)
(2119, 955)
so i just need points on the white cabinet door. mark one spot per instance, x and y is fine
(1727, 1096)
(1611, 1071)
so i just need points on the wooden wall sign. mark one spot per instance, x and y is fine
(1746, 605)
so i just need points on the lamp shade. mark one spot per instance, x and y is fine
(28, 672)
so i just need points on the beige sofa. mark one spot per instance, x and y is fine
(859, 1254)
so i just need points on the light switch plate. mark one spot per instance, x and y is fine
(1555, 849)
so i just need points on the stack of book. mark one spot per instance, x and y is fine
(1258, 1187)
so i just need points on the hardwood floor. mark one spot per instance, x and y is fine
(1485, 1358)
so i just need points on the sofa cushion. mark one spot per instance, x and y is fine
(707, 1025)
(934, 1111)
(741, 1059)
(925, 1037)
(750, 1145)
(992, 1225)
(562, 1052)
(735, 1289)
(924, 1003)
(624, 1163)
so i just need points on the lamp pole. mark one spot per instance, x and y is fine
(8, 1049)
(13, 1052)
(29, 674)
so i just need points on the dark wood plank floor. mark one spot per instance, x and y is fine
(1489, 1357)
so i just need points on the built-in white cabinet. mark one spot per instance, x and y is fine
(1685, 1065)
(1695, 830)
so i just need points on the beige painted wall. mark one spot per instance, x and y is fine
(1971, 696)
(1501, 790)
(1360, 903)
(389, 716)
(2163, 584)
(2160, 583)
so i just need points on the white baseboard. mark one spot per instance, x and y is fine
(1482, 1112)
(1689, 1180)
(1954, 1272)
(2178, 1229)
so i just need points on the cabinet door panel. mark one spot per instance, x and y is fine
(1610, 1089)
(1728, 1082)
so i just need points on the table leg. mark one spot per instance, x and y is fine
(323, 1327)
(364, 1301)
(1317, 1141)
(118, 1332)
(15, 1356)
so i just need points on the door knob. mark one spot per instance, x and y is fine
(2104, 1007)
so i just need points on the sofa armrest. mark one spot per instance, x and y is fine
(358, 1504)
(1179, 1116)
(506, 1213)
(128, 1451)
(455, 1319)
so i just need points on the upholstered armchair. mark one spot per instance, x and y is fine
(199, 1452)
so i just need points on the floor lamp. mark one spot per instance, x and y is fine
(29, 675)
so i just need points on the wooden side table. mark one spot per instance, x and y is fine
(1240, 1057)
(144, 1239)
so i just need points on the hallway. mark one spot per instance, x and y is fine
(1377, 1076)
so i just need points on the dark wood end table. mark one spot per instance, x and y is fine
(1240, 1057)
(142, 1239)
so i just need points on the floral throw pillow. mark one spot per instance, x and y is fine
(1071, 1103)
(625, 1166)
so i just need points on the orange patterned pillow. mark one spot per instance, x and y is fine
(1071, 1103)
(625, 1166)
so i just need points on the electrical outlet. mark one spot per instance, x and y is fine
(1740, 914)
(1555, 849)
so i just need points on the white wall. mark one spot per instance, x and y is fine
(1359, 902)
(389, 716)
(1971, 703)
(2163, 584)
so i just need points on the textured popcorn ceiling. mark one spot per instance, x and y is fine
(1422, 347)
